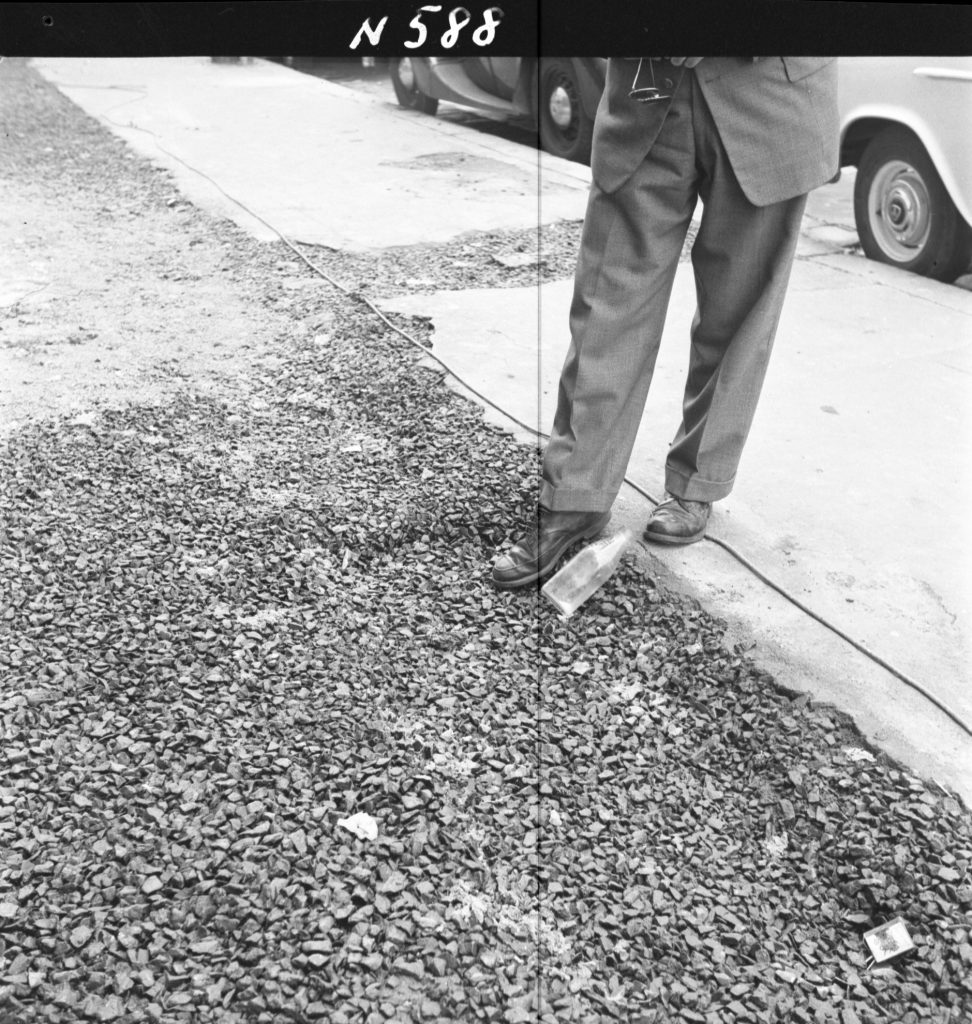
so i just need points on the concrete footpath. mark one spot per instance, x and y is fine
(854, 491)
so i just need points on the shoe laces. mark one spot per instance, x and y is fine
(684, 503)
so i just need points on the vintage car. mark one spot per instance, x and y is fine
(558, 95)
(906, 125)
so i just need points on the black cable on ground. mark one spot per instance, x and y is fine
(728, 548)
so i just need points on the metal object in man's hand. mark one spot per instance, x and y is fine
(646, 93)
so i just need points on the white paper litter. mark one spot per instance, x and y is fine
(858, 754)
(362, 825)
(777, 845)
(888, 940)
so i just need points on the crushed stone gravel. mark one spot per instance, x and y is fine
(495, 259)
(259, 604)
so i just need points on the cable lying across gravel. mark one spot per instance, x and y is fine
(498, 259)
(233, 617)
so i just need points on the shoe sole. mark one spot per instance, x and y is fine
(665, 538)
(546, 569)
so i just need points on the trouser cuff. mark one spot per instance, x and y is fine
(691, 487)
(568, 499)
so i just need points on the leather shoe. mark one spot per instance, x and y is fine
(537, 552)
(677, 521)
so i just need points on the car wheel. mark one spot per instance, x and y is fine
(406, 87)
(565, 129)
(904, 215)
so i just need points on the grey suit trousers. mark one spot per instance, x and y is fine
(630, 248)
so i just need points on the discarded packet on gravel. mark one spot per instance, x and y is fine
(586, 572)
(888, 940)
(362, 825)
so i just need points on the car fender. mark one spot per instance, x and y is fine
(524, 93)
(881, 116)
(591, 73)
(932, 97)
(424, 78)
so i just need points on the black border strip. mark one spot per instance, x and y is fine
(578, 28)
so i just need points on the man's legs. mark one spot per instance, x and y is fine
(742, 258)
(630, 248)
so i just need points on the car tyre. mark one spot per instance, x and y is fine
(406, 88)
(565, 129)
(903, 212)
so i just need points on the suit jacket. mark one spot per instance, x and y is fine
(776, 116)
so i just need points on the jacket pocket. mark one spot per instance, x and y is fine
(800, 67)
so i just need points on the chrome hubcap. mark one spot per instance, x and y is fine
(561, 108)
(405, 73)
(900, 210)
